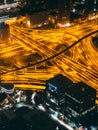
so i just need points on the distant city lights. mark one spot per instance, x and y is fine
(64, 25)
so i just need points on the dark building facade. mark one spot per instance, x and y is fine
(37, 6)
(67, 10)
(4, 32)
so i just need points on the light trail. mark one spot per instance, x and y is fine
(80, 64)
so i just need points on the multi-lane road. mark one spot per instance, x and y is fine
(34, 54)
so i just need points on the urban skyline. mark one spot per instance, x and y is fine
(49, 64)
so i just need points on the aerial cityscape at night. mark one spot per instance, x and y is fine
(48, 64)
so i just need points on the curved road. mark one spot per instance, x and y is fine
(79, 63)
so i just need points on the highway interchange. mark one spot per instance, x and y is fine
(30, 57)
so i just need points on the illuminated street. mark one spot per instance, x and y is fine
(23, 58)
(48, 64)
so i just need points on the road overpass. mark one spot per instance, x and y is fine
(81, 64)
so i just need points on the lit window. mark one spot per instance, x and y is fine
(95, 2)
(94, 9)
(74, 10)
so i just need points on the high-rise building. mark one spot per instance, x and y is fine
(55, 92)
